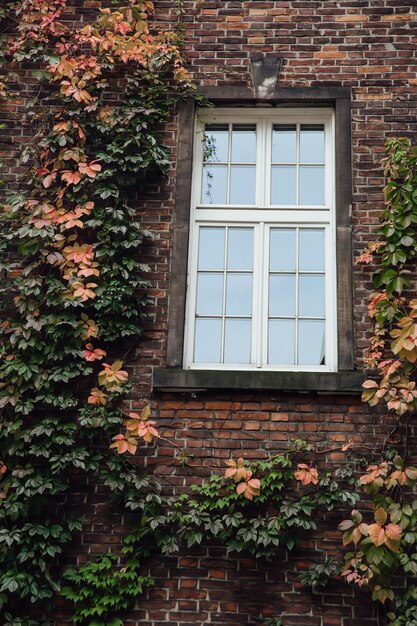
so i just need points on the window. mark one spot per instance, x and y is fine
(262, 271)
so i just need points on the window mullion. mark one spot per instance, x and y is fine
(223, 330)
(297, 165)
(264, 303)
(262, 163)
(297, 279)
(258, 293)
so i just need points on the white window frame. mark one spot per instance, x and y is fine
(263, 216)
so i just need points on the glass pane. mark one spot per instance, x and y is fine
(237, 341)
(282, 295)
(312, 143)
(211, 249)
(311, 249)
(244, 143)
(216, 143)
(207, 343)
(242, 184)
(311, 295)
(281, 342)
(209, 294)
(284, 143)
(214, 189)
(283, 181)
(240, 249)
(239, 294)
(311, 342)
(311, 185)
(282, 250)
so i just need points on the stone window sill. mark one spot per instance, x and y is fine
(179, 380)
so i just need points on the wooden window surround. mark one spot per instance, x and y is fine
(345, 379)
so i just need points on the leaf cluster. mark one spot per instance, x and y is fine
(276, 518)
(387, 546)
(104, 587)
(393, 347)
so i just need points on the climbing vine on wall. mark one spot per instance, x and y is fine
(387, 546)
(73, 272)
(393, 306)
(260, 508)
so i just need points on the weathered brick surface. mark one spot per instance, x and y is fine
(368, 46)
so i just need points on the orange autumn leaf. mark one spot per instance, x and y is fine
(84, 292)
(146, 430)
(377, 534)
(39, 223)
(139, 425)
(236, 469)
(80, 95)
(376, 299)
(249, 487)
(89, 169)
(91, 354)
(62, 127)
(79, 254)
(47, 176)
(90, 327)
(70, 177)
(381, 534)
(97, 397)
(112, 376)
(69, 220)
(88, 270)
(374, 478)
(306, 474)
(144, 414)
(123, 444)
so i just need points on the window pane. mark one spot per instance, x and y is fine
(282, 250)
(237, 341)
(240, 249)
(216, 143)
(312, 143)
(284, 143)
(311, 342)
(214, 184)
(244, 143)
(311, 249)
(207, 344)
(281, 342)
(311, 185)
(211, 249)
(311, 296)
(209, 294)
(239, 294)
(283, 185)
(282, 295)
(242, 184)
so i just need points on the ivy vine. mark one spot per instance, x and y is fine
(393, 306)
(73, 276)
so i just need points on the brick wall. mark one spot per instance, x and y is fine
(370, 47)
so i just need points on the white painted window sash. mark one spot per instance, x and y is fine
(262, 217)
